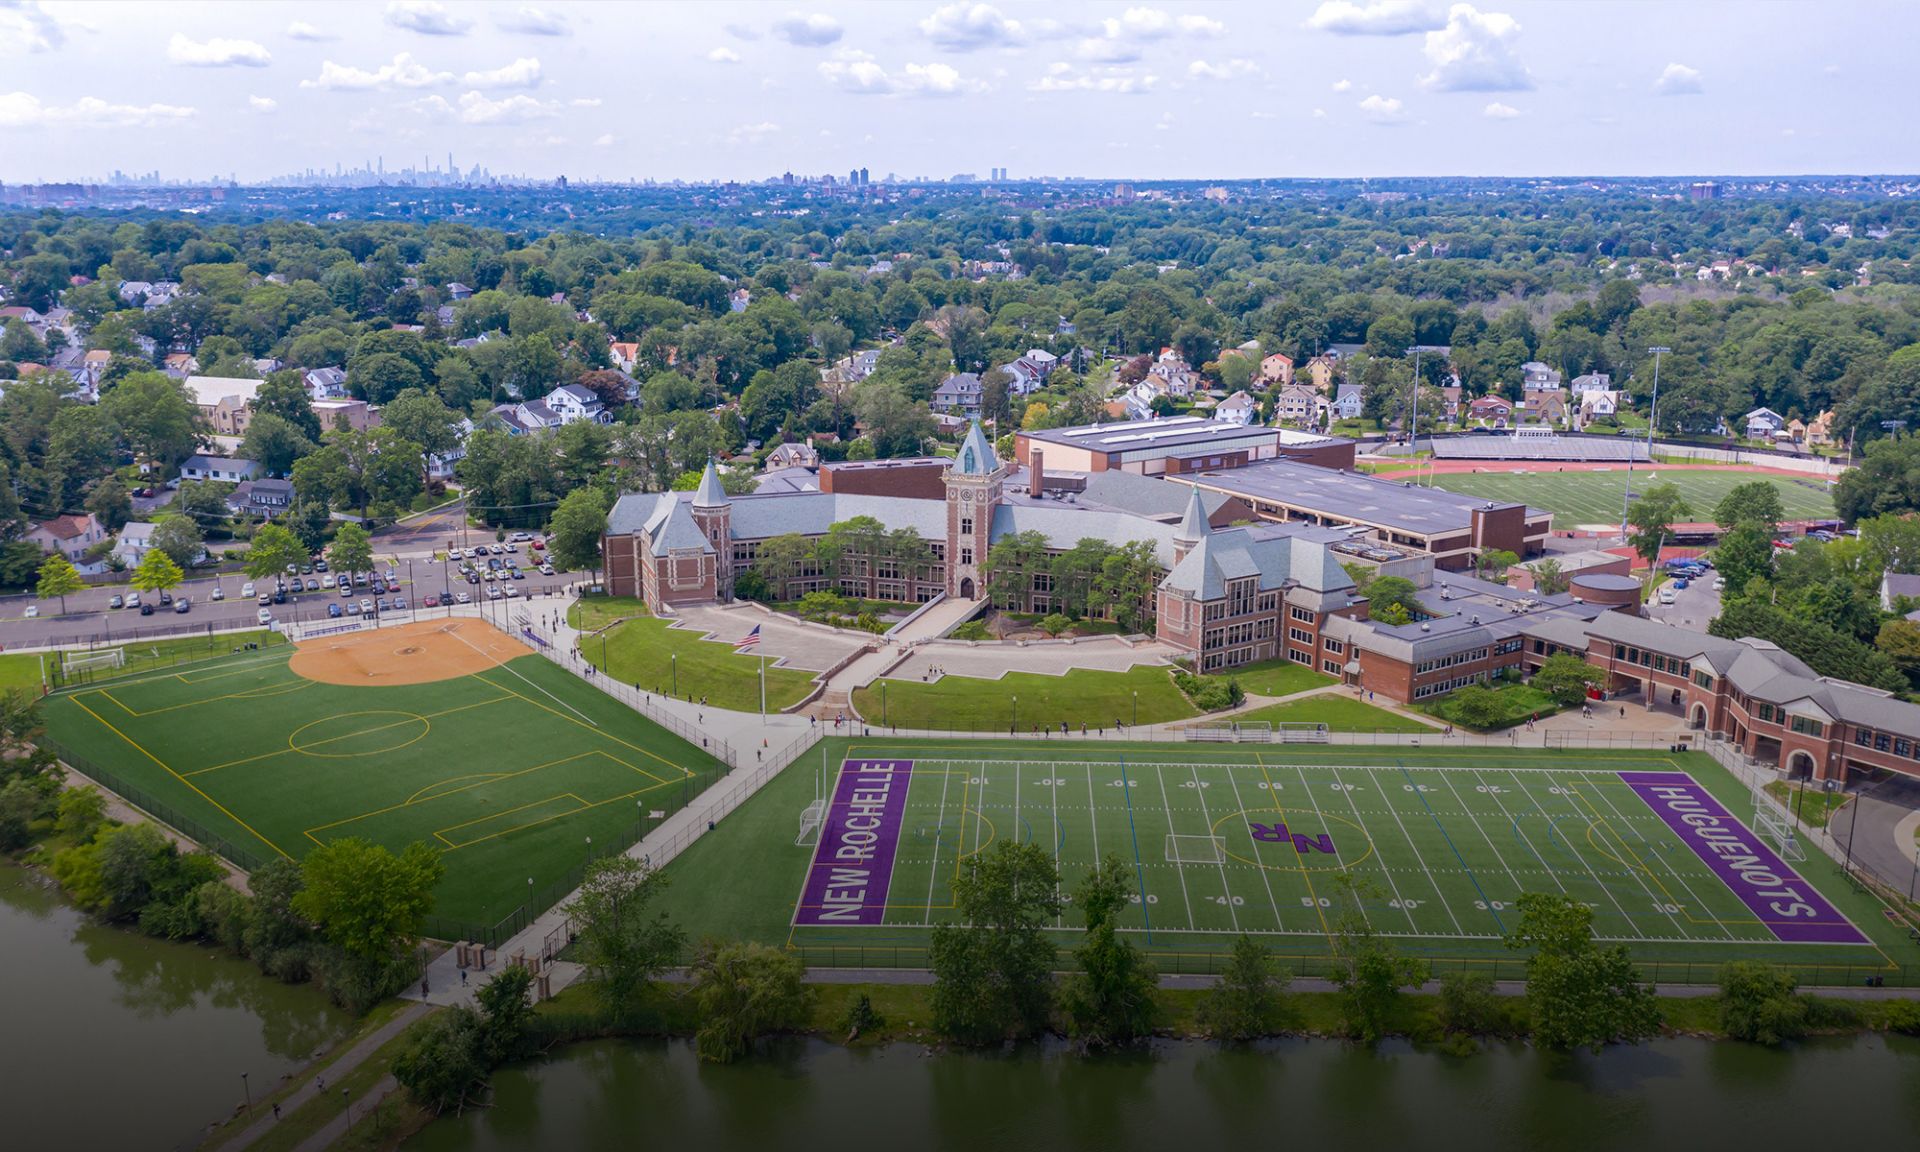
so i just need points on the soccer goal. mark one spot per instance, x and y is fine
(811, 817)
(88, 661)
(1195, 849)
(1776, 828)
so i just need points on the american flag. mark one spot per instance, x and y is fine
(750, 640)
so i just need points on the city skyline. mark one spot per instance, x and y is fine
(741, 90)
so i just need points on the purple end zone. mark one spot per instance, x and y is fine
(1779, 896)
(853, 862)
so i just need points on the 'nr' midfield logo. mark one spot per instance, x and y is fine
(1302, 843)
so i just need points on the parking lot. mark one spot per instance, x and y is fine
(1693, 607)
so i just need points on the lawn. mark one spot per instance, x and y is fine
(1594, 497)
(1339, 712)
(1275, 678)
(1096, 698)
(1518, 702)
(515, 773)
(646, 652)
(1813, 806)
(22, 669)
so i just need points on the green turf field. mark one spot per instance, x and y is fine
(1449, 839)
(509, 771)
(1594, 497)
(1144, 694)
(24, 669)
(643, 650)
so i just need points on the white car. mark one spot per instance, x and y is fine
(218, 593)
(1719, 583)
(1666, 594)
(462, 598)
(32, 611)
(264, 616)
(133, 600)
(327, 580)
(493, 593)
(246, 591)
(511, 591)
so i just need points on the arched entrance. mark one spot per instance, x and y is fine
(1800, 765)
(1697, 719)
(966, 588)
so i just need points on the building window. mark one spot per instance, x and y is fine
(1334, 646)
(1302, 614)
(1805, 726)
(1704, 680)
(966, 555)
(1300, 635)
(1330, 667)
(966, 525)
(1766, 712)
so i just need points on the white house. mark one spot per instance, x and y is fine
(1239, 408)
(224, 469)
(136, 540)
(1592, 382)
(1762, 423)
(440, 465)
(326, 383)
(1346, 403)
(1538, 377)
(573, 402)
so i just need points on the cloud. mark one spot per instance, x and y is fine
(1125, 39)
(522, 73)
(1379, 18)
(807, 30)
(1475, 53)
(27, 27)
(1201, 26)
(742, 32)
(1225, 70)
(426, 17)
(752, 133)
(1383, 109)
(217, 53)
(1062, 77)
(724, 55)
(476, 108)
(968, 27)
(604, 140)
(262, 103)
(1109, 50)
(21, 110)
(404, 72)
(535, 22)
(1499, 111)
(1343, 85)
(859, 73)
(301, 30)
(585, 102)
(1680, 80)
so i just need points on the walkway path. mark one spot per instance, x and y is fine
(336, 1071)
(937, 621)
(330, 1133)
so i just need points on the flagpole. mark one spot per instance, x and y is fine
(763, 683)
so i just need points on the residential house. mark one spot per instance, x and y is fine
(136, 540)
(1894, 586)
(30, 317)
(1493, 410)
(960, 392)
(1762, 423)
(1537, 377)
(573, 402)
(738, 300)
(793, 455)
(1592, 382)
(93, 366)
(356, 414)
(458, 291)
(225, 401)
(326, 383)
(853, 369)
(440, 465)
(180, 365)
(226, 470)
(1321, 369)
(1596, 406)
(624, 355)
(1450, 412)
(1239, 408)
(1295, 404)
(1277, 368)
(1820, 430)
(1547, 406)
(71, 536)
(1347, 404)
(265, 498)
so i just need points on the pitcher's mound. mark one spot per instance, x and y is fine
(410, 654)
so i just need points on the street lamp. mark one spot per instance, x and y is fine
(675, 658)
(1915, 874)
(1413, 422)
(1016, 713)
(1135, 722)
(883, 703)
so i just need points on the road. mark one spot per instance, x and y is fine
(1693, 607)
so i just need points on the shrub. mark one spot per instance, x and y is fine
(1210, 693)
(1758, 1003)
(860, 1016)
(1466, 1002)
(1053, 624)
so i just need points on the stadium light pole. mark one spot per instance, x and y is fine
(1653, 411)
(674, 657)
(1413, 422)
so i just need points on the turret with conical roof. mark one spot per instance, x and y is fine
(710, 494)
(1193, 526)
(977, 457)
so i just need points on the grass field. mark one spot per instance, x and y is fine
(644, 651)
(1088, 696)
(509, 771)
(22, 669)
(1277, 678)
(1340, 713)
(1447, 839)
(1594, 497)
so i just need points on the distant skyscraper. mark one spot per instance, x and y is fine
(1705, 190)
(863, 176)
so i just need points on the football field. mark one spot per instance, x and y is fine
(1441, 847)
(1593, 496)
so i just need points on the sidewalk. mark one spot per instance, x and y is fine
(336, 1071)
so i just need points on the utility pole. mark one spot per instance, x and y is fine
(1653, 412)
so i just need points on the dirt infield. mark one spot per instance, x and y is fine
(410, 654)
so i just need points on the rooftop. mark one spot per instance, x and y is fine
(1172, 432)
(1352, 496)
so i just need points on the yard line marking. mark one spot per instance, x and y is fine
(1632, 921)
(1226, 886)
(1180, 870)
(1384, 870)
(1639, 873)
(1693, 897)
(939, 830)
(1299, 862)
(169, 771)
(1418, 858)
(1448, 837)
(1518, 887)
(1515, 824)
(1093, 815)
(1139, 870)
(1265, 882)
(428, 717)
(1315, 801)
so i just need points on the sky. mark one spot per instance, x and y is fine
(921, 88)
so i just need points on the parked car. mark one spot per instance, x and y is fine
(146, 609)
(546, 569)
(166, 597)
(519, 575)
(246, 590)
(181, 606)
(493, 593)
(1666, 595)
(430, 602)
(1719, 583)
(366, 605)
(512, 591)
(32, 611)
(462, 598)
(133, 599)
(319, 565)
(333, 611)
(399, 603)
(353, 608)
(346, 589)
(116, 602)
(218, 593)
(327, 581)
(520, 537)
(473, 578)
(539, 545)
(360, 578)
(384, 604)
(313, 585)
(264, 616)
(279, 596)
(515, 548)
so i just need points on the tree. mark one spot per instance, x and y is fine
(1754, 502)
(79, 813)
(506, 1013)
(1827, 652)
(744, 991)
(156, 417)
(351, 550)
(368, 902)
(1367, 970)
(273, 550)
(1579, 994)
(1758, 1003)
(1466, 1002)
(1247, 1001)
(1110, 999)
(443, 1065)
(1564, 677)
(157, 572)
(1495, 561)
(1477, 706)
(110, 502)
(1886, 481)
(1744, 553)
(573, 538)
(618, 941)
(1653, 516)
(1899, 641)
(1390, 592)
(180, 538)
(993, 966)
(1549, 579)
(58, 577)
(274, 443)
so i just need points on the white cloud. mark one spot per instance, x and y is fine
(1225, 70)
(1201, 26)
(426, 17)
(967, 27)
(217, 53)
(1319, 113)
(1379, 18)
(1680, 80)
(807, 30)
(28, 27)
(604, 140)
(262, 103)
(724, 55)
(1125, 39)
(404, 72)
(21, 110)
(742, 32)
(1063, 77)
(1109, 50)
(522, 73)
(301, 30)
(1499, 111)
(1343, 85)
(536, 22)
(752, 133)
(475, 108)
(585, 102)
(1475, 53)
(859, 73)
(1383, 109)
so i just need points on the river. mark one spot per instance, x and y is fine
(109, 1039)
(1858, 1092)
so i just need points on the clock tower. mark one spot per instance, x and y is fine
(973, 491)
